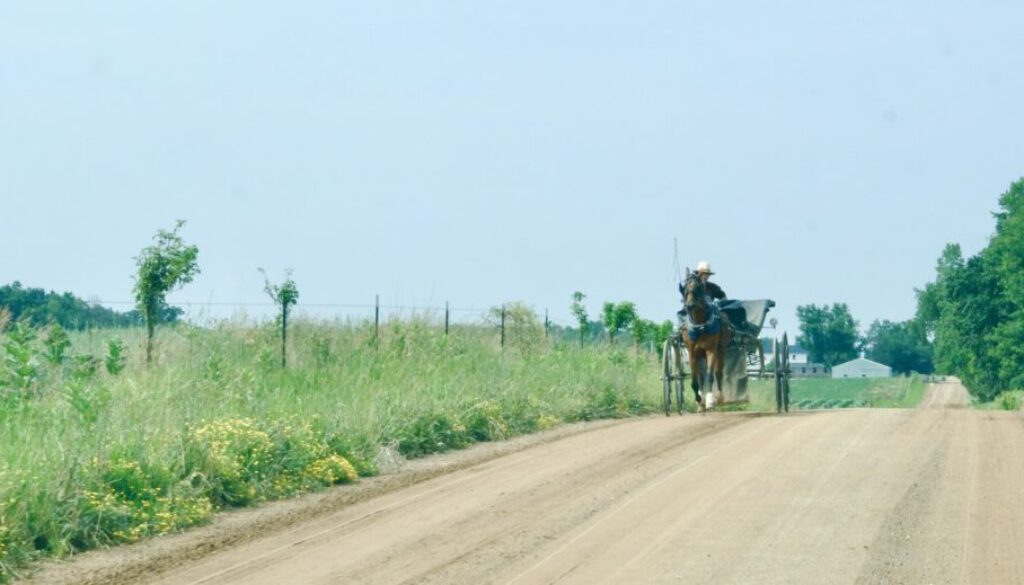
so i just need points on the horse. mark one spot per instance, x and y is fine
(706, 332)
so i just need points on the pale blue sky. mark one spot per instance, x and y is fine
(480, 152)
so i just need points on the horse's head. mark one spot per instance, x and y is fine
(693, 292)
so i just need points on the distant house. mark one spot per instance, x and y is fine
(861, 368)
(800, 364)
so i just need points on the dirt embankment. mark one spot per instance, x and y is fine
(932, 495)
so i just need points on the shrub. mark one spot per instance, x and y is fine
(1009, 401)
(57, 342)
(432, 433)
(21, 369)
(484, 422)
(114, 361)
(232, 457)
(126, 500)
(331, 470)
(239, 461)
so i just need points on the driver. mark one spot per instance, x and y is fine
(710, 289)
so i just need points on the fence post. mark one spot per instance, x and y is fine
(446, 318)
(546, 323)
(503, 327)
(376, 317)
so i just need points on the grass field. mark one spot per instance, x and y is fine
(811, 393)
(92, 458)
(89, 458)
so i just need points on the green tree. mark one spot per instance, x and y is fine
(285, 296)
(616, 317)
(524, 330)
(41, 308)
(642, 330)
(974, 310)
(580, 312)
(1005, 255)
(828, 333)
(902, 345)
(164, 266)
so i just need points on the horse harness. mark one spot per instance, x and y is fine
(711, 325)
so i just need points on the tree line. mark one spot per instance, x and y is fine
(974, 309)
(969, 321)
(39, 308)
(830, 335)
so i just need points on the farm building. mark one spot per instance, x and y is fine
(799, 361)
(861, 368)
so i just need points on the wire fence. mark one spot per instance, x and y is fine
(377, 313)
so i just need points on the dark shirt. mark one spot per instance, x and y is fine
(713, 290)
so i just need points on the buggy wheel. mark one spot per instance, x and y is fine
(666, 374)
(785, 372)
(680, 375)
(777, 368)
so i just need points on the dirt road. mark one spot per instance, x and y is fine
(932, 495)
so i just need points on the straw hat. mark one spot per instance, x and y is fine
(705, 267)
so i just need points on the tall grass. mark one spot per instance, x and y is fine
(93, 459)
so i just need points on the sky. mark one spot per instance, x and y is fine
(486, 152)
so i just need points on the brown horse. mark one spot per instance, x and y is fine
(706, 333)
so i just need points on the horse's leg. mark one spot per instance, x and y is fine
(714, 395)
(720, 373)
(695, 376)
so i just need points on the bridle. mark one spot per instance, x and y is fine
(694, 294)
(694, 299)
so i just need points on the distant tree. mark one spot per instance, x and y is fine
(663, 331)
(524, 330)
(641, 330)
(580, 312)
(164, 266)
(903, 346)
(40, 308)
(616, 317)
(828, 333)
(285, 296)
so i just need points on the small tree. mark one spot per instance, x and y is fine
(57, 342)
(114, 360)
(580, 312)
(523, 328)
(661, 333)
(163, 266)
(20, 367)
(642, 330)
(285, 295)
(617, 317)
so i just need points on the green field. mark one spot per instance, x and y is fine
(90, 458)
(812, 393)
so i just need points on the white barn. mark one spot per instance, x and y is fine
(861, 368)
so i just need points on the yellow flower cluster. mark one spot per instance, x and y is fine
(126, 505)
(234, 448)
(331, 470)
(243, 461)
(3, 537)
(546, 422)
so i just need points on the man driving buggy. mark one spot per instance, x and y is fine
(710, 289)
